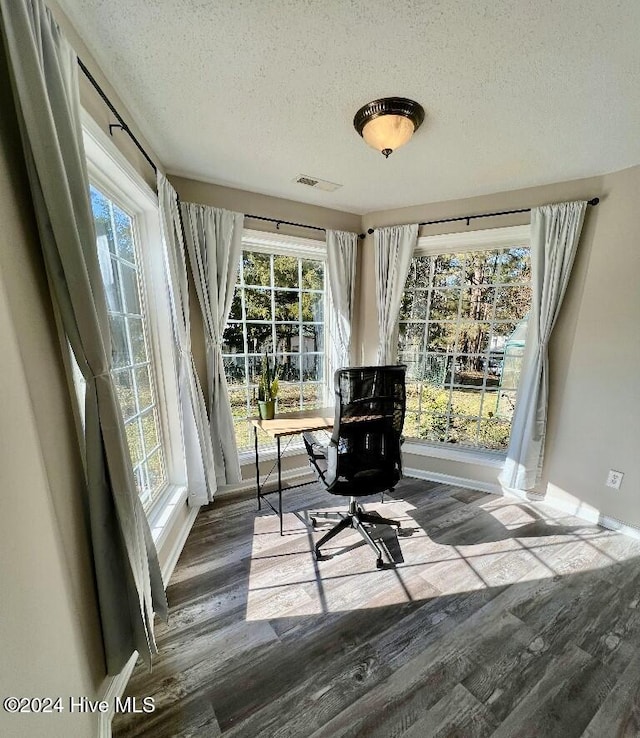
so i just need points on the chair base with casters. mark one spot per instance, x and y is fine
(357, 518)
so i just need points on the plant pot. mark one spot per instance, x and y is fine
(267, 409)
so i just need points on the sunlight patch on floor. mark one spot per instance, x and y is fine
(520, 542)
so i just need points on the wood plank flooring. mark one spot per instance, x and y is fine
(494, 618)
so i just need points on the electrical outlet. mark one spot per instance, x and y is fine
(614, 479)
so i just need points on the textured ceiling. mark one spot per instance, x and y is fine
(251, 93)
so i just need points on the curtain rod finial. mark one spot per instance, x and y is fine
(593, 201)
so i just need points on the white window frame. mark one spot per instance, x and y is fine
(298, 247)
(487, 239)
(113, 175)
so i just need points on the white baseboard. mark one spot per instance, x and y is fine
(522, 494)
(287, 476)
(584, 512)
(117, 684)
(176, 550)
(613, 524)
(116, 688)
(429, 476)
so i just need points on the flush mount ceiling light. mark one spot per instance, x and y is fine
(388, 123)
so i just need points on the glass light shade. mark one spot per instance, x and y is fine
(388, 132)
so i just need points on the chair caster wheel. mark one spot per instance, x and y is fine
(379, 564)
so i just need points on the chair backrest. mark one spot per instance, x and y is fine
(367, 431)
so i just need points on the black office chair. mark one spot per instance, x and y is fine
(363, 456)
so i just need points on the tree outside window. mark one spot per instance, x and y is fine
(462, 316)
(278, 310)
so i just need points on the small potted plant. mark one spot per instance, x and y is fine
(268, 389)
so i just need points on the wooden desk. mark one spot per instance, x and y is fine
(283, 425)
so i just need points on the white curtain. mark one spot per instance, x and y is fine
(214, 241)
(555, 232)
(341, 266)
(43, 69)
(193, 411)
(394, 247)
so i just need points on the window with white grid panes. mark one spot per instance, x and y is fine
(461, 334)
(278, 309)
(131, 363)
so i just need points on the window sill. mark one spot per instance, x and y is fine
(454, 453)
(248, 456)
(411, 446)
(163, 512)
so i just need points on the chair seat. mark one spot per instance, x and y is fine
(356, 479)
(365, 482)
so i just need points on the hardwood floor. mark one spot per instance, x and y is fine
(499, 619)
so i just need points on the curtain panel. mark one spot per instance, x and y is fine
(341, 268)
(214, 242)
(555, 232)
(394, 247)
(43, 70)
(201, 477)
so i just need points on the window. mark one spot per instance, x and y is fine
(278, 309)
(462, 333)
(132, 265)
(132, 370)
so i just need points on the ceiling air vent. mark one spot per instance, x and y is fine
(319, 184)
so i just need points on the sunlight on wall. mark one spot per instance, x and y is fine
(568, 503)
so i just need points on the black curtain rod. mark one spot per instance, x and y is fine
(121, 123)
(594, 201)
(123, 126)
(279, 222)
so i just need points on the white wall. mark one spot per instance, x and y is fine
(595, 425)
(49, 631)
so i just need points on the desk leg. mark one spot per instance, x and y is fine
(280, 485)
(255, 441)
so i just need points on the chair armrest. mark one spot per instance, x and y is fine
(319, 453)
(332, 462)
(315, 448)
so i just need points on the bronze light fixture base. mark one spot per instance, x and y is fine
(388, 123)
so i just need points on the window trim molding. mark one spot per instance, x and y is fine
(457, 452)
(482, 240)
(113, 165)
(106, 166)
(279, 243)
